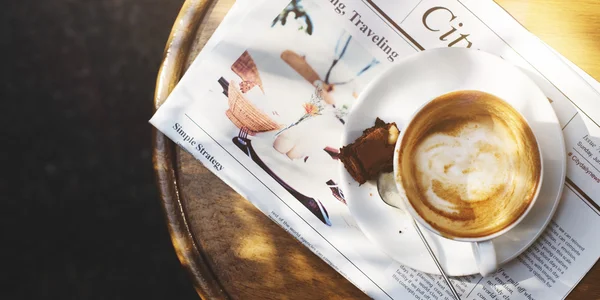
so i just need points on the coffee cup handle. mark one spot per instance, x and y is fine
(485, 257)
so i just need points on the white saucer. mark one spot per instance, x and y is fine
(394, 96)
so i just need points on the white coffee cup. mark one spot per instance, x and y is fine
(483, 246)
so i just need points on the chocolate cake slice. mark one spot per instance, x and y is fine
(372, 153)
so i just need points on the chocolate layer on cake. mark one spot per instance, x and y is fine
(372, 153)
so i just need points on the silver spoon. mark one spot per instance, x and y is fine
(386, 186)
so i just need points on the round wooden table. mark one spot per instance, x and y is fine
(230, 248)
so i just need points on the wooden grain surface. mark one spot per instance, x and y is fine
(230, 248)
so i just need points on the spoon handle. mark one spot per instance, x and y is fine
(435, 260)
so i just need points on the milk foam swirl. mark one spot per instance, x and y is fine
(470, 167)
(469, 164)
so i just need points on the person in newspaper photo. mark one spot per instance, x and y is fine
(278, 99)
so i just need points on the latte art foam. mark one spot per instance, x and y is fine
(470, 166)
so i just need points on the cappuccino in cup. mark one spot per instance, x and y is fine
(469, 165)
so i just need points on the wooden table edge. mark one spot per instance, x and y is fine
(191, 256)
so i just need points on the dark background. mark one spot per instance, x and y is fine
(80, 213)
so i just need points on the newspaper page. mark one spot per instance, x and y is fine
(259, 71)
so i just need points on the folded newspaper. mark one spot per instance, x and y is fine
(245, 108)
